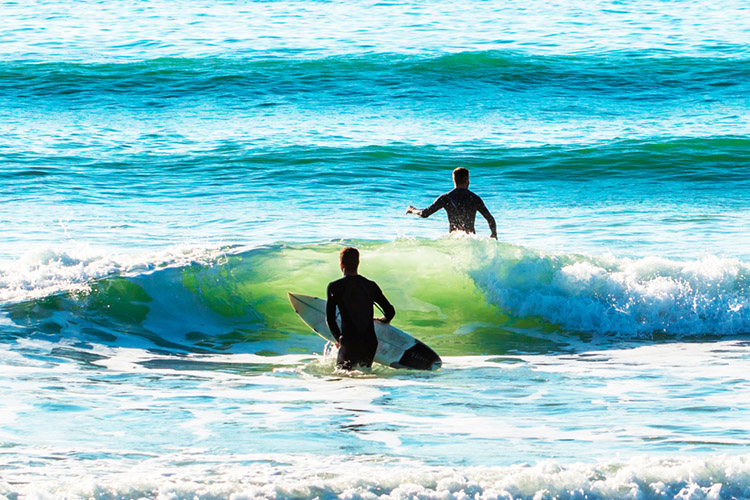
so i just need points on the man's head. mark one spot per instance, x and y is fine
(461, 177)
(349, 259)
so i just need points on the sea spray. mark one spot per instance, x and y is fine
(624, 297)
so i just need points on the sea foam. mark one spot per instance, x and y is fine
(627, 297)
(297, 477)
(48, 270)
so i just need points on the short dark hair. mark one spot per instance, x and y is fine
(460, 175)
(349, 258)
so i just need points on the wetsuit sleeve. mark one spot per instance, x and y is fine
(388, 309)
(488, 216)
(436, 205)
(331, 305)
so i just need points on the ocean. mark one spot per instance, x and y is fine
(170, 169)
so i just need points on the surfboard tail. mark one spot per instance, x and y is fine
(419, 357)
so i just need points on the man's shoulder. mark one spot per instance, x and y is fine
(463, 194)
(369, 282)
(333, 285)
(474, 196)
(460, 191)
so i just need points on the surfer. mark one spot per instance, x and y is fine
(460, 204)
(354, 296)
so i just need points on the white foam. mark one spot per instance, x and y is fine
(626, 297)
(377, 477)
(44, 271)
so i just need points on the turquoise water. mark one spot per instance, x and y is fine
(170, 170)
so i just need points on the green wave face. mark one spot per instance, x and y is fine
(435, 297)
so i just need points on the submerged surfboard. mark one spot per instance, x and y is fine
(396, 349)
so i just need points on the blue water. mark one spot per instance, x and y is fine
(170, 170)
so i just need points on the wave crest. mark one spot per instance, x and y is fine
(625, 297)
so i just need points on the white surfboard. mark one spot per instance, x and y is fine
(396, 348)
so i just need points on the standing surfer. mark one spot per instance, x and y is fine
(354, 296)
(460, 204)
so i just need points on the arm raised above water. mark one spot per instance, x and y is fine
(439, 203)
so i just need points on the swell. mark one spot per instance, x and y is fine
(686, 159)
(268, 81)
(461, 296)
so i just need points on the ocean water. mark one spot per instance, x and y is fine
(170, 169)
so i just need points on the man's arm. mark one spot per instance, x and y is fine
(331, 314)
(490, 219)
(436, 205)
(386, 306)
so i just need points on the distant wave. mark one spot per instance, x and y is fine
(199, 301)
(270, 81)
(689, 159)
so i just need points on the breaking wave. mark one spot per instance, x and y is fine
(293, 477)
(493, 295)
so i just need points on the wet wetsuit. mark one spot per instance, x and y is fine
(354, 297)
(462, 206)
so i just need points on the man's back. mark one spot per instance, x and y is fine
(462, 206)
(354, 297)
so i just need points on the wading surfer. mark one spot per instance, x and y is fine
(461, 205)
(354, 296)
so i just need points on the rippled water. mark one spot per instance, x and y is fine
(170, 170)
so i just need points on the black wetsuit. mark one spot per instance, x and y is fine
(462, 206)
(354, 297)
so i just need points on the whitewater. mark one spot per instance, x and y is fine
(169, 170)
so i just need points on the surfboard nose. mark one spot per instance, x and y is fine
(294, 300)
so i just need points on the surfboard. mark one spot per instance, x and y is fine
(396, 348)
